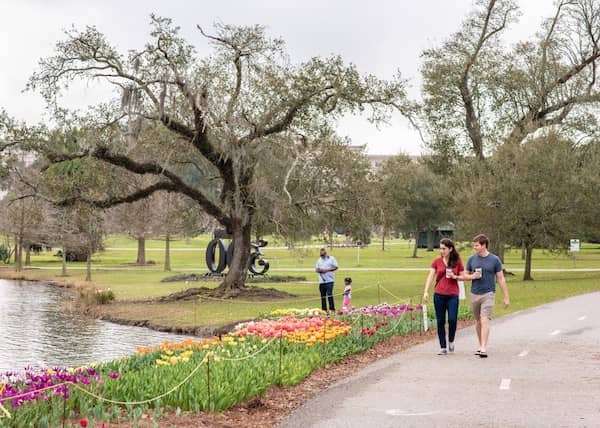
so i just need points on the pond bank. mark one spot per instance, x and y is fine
(103, 312)
(200, 331)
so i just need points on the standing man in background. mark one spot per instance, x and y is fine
(485, 270)
(326, 266)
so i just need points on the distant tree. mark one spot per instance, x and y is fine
(177, 217)
(78, 227)
(537, 194)
(341, 191)
(137, 219)
(324, 187)
(389, 199)
(588, 218)
(23, 213)
(416, 199)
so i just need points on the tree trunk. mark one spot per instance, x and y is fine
(19, 254)
(88, 267)
(27, 255)
(527, 272)
(21, 233)
(523, 251)
(501, 251)
(235, 279)
(141, 253)
(416, 244)
(497, 247)
(63, 227)
(383, 240)
(168, 253)
(16, 250)
(430, 239)
(64, 260)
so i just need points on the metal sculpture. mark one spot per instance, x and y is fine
(219, 256)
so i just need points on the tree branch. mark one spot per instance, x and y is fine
(128, 164)
(116, 200)
(238, 85)
(471, 119)
(286, 120)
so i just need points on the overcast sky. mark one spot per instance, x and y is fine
(380, 37)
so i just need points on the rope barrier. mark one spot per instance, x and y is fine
(106, 400)
(399, 320)
(247, 357)
(389, 292)
(4, 411)
(292, 300)
(150, 400)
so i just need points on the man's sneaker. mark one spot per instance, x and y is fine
(442, 351)
(451, 347)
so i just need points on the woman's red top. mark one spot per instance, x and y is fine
(443, 285)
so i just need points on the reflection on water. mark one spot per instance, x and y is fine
(35, 330)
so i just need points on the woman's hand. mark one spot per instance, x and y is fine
(426, 297)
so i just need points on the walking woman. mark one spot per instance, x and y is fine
(445, 270)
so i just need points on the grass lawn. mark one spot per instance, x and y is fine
(376, 278)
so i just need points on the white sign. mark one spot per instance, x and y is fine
(574, 245)
(461, 290)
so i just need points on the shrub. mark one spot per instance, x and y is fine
(4, 253)
(91, 296)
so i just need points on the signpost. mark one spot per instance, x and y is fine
(574, 248)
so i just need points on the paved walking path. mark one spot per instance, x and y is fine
(543, 370)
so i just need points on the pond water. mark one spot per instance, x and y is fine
(37, 331)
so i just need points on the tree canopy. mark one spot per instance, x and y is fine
(478, 93)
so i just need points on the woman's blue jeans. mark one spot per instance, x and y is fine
(442, 305)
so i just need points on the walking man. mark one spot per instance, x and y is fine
(485, 270)
(326, 266)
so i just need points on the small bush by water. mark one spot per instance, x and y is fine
(92, 296)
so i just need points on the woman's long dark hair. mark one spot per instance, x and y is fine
(453, 256)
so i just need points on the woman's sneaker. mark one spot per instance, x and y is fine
(442, 351)
(451, 347)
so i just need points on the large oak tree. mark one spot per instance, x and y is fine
(220, 114)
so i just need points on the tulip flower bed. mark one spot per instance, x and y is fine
(384, 309)
(49, 389)
(298, 312)
(198, 375)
